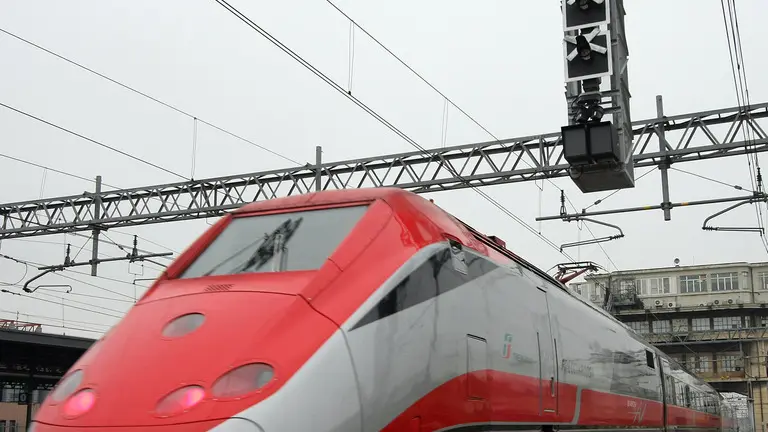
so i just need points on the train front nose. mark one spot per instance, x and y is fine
(189, 359)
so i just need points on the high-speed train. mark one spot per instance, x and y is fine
(369, 310)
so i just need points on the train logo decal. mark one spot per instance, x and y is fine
(506, 351)
(638, 410)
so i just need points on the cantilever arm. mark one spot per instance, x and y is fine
(594, 240)
(45, 272)
(736, 229)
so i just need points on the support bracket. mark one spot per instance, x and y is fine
(133, 256)
(594, 240)
(759, 197)
(565, 217)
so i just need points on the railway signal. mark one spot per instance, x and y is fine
(587, 56)
(578, 14)
(598, 150)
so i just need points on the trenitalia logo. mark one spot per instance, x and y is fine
(506, 351)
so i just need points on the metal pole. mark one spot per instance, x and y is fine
(319, 171)
(96, 231)
(664, 163)
(29, 389)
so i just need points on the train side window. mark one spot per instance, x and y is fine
(649, 359)
(687, 396)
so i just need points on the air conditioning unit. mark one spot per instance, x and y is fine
(672, 304)
(659, 303)
(702, 304)
(717, 302)
(730, 301)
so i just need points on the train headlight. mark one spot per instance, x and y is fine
(80, 403)
(67, 386)
(242, 380)
(180, 400)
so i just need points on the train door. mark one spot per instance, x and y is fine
(548, 378)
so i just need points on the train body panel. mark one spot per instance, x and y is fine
(374, 310)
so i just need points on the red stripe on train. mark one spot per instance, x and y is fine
(515, 399)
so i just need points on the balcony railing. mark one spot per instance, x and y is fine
(704, 336)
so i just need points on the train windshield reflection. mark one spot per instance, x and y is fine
(276, 242)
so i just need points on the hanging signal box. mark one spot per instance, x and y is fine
(595, 157)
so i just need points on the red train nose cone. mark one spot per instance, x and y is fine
(191, 357)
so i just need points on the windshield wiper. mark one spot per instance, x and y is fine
(274, 244)
(268, 239)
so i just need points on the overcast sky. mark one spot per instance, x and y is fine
(500, 61)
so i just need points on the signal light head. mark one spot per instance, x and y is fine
(584, 50)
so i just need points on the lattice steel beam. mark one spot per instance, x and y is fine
(480, 164)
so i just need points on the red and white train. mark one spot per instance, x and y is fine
(369, 310)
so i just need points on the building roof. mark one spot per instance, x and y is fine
(677, 269)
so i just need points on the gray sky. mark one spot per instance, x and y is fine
(500, 61)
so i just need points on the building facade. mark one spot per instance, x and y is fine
(13, 415)
(712, 319)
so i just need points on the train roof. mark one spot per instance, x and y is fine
(342, 196)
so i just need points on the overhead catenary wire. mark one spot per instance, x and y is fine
(91, 140)
(371, 112)
(5, 291)
(145, 95)
(38, 316)
(738, 72)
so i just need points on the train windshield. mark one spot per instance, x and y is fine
(276, 242)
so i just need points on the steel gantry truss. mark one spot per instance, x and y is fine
(480, 164)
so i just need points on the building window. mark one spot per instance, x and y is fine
(680, 325)
(726, 323)
(640, 327)
(577, 288)
(699, 324)
(659, 285)
(728, 362)
(700, 363)
(662, 326)
(763, 280)
(693, 284)
(595, 293)
(725, 281)
(10, 394)
(764, 321)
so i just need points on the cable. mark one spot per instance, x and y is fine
(742, 99)
(62, 299)
(93, 141)
(53, 169)
(600, 201)
(147, 96)
(737, 187)
(51, 318)
(58, 304)
(85, 295)
(370, 111)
